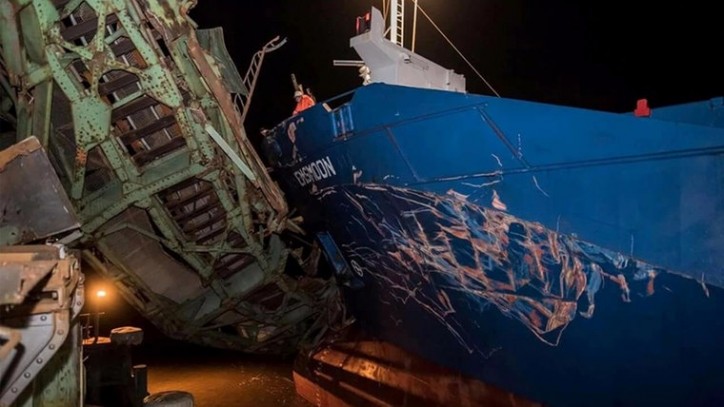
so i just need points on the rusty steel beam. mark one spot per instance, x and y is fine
(128, 97)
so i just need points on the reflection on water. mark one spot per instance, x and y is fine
(219, 378)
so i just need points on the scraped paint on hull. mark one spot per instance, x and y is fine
(607, 324)
(448, 247)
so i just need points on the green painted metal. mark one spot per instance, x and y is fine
(176, 206)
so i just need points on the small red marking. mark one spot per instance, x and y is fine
(642, 108)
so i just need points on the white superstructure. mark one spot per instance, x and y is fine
(387, 61)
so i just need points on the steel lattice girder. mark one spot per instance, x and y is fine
(174, 202)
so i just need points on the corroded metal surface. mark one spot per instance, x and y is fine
(29, 186)
(39, 358)
(175, 204)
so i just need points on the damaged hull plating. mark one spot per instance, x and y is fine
(570, 256)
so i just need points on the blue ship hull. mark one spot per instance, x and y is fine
(570, 256)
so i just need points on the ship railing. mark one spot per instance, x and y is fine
(338, 101)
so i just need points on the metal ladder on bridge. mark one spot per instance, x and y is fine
(252, 75)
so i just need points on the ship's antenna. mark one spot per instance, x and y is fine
(295, 84)
(414, 26)
(459, 53)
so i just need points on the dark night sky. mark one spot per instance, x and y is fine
(599, 55)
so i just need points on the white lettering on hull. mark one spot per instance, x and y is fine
(315, 171)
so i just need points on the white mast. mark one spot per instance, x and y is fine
(414, 27)
(397, 22)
